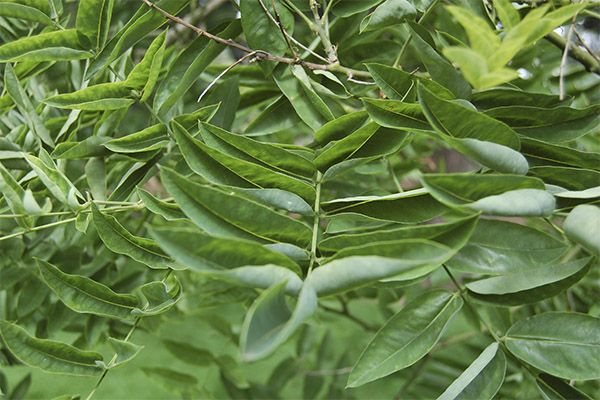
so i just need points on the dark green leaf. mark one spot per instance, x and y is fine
(84, 295)
(339, 127)
(563, 344)
(389, 13)
(396, 114)
(62, 45)
(49, 355)
(144, 76)
(93, 21)
(152, 138)
(406, 337)
(105, 96)
(30, 10)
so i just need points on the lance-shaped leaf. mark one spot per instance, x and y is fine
(144, 21)
(105, 96)
(172, 380)
(436, 232)
(262, 277)
(62, 45)
(200, 251)
(509, 195)
(563, 344)
(482, 379)
(457, 121)
(273, 156)
(13, 194)
(188, 353)
(89, 147)
(168, 211)
(400, 85)
(197, 153)
(529, 286)
(85, 295)
(143, 77)
(56, 182)
(402, 260)
(504, 96)
(223, 213)
(567, 177)
(493, 155)
(136, 174)
(440, 69)
(125, 351)
(406, 337)
(389, 13)
(501, 247)
(269, 322)
(408, 207)
(278, 198)
(49, 355)
(93, 21)
(362, 141)
(159, 297)
(554, 125)
(339, 127)
(23, 102)
(120, 240)
(582, 225)
(188, 67)
(397, 114)
(152, 138)
(553, 388)
(261, 32)
(29, 10)
(542, 153)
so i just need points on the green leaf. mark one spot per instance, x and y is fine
(568, 177)
(554, 125)
(349, 8)
(505, 96)
(189, 353)
(440, 69)
(62, 45)
(436, 232)
(105, 96)
(402, 259)
(553, 388)
(90, 147)
(49, 355)
(529, 286)
(120, 240)
(152, 138)
(56, 182)
(501, 247)
(23, 102)
(136, 174)
(269, 322)
(541, 153)
(339, 127)
(396, 114)
(408, 207)
(399, 85)
(389, 13)
(277, 116)
(30, 10)
(361, 139)
(270, 155)
(508, 195)
(261, 32)
(144, 76)
(170, 212)
(482, 379)
(196, 154)
(261, 277)
(454, 120)
(13, 194)
(188, 67)
(582, 225)
(84, 295)
(222, 213)
(144, 21)
(21, 389)
(482, 37)
(172, 380)
(298, 96)
(507, 13)
(125, 351)
(202, 252)
(95, 172)
(563, 344)
(307, 86)
(406, 337)
(159, 298)
(93, 21)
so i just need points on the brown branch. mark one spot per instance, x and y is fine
(261, 54)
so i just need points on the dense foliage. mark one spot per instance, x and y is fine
(299, 198)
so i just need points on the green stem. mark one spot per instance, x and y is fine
(291, 5)
(38, 228)
(393, 175)
(322, 31)
(316, 220)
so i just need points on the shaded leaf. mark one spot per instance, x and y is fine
(49, 355)
(62, 45)
(582, 225)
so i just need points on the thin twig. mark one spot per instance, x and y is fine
(582, 56)
(357, 81)
(325, 372)
(316, 220)
(350, 316)
(563, 61)
(586, 47)
(223, 73)
(263, 55)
